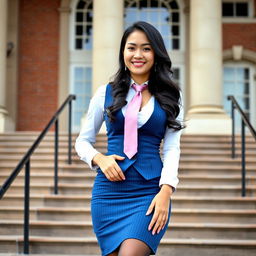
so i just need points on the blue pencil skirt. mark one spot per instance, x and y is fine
(119, 210)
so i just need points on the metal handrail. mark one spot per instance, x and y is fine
(25, 161)
(245, 121)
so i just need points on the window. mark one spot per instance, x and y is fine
(83, 25)
(238, 9)
(81, 35)
(163, 14)
(236, 80)
(81, 87)
(176, 75)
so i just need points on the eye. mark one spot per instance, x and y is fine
(147, 49)
(131, 48)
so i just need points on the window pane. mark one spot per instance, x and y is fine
(235, 83)
(176, 74)
(175, 17)
(142, 3)
(227, 9)
(164, 30)
(229, 74)
(143, 15)
(246, 73)
(77, 118)
(79, 16)
(81, 87)
(246, 89)
(79, 74)
(153, 15)
(78, 43)
(175, 44)
(88, 73)
(159, 13)
(175, 30)
(154, 3)
(80, 4)
(240, 74)
(174, 5)
(242, 9)
(247, 103)
(83, 25)
(79, 30)
(88, 43)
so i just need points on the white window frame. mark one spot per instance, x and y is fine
(178, 57)
(77, 57)
(235, 19)
(181, 82)
(252, 73)
(181, 25)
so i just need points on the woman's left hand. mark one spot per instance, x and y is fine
(160, 203)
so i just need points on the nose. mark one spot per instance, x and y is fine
(138, 53)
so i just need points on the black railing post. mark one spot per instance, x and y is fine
(69, 133)
(243, 159)
(233, 130)
(26, 208)
(56, 148)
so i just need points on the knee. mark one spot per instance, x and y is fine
(134, 247)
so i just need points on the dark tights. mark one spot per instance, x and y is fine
(132, 247)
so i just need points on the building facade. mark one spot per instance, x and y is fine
(51, 48)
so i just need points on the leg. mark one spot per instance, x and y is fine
(134, 247)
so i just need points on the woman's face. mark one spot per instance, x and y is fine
(138, 56)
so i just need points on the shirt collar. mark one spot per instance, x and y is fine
(132, 82)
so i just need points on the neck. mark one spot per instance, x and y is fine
(139, 80)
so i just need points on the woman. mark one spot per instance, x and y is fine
(131, 194)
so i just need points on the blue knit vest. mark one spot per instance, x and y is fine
(147, 161)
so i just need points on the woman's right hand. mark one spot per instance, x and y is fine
(109, 166)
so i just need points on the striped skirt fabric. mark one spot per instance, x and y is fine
(119, 210)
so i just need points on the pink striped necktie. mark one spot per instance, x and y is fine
(131, 122)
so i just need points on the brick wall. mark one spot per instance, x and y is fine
(239, 34)
(38, 62)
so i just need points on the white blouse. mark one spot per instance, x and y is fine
(94, 119)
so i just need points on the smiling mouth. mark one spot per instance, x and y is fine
(138, 64)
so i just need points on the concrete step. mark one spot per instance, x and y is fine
(84, 189)
(184, 168)
(177, 201)
(101, 146)
(178, 215)
(88, 245)
(184, 152)
(88, 178)
(20, 135)
(175, 230)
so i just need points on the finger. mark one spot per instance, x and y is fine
(119, 172)
(162, 225)
(107, 176)
(117, 157)
(116, 175)
(153, 221)
(158, 224)
(110, 175)
(151, 207)
(165, 222)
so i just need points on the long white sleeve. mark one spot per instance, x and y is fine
(171, 154)
(94, 119)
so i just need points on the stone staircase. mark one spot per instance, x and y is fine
(209, 216)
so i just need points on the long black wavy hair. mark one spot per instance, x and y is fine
(160, 84)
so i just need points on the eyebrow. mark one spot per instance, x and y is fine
(141, 44)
